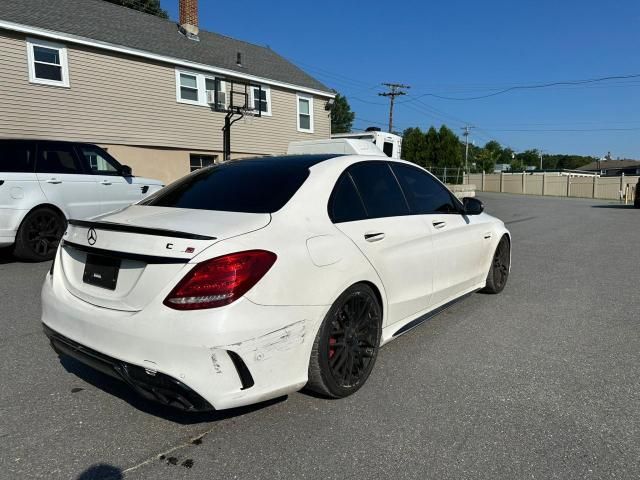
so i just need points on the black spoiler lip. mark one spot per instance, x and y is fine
(119, 227)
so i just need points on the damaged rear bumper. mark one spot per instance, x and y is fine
(151, 385)
(221, 358)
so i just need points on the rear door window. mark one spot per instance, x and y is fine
(345, 204)
(54, 157)
(379, 189)
(424, 194)
(17, 156)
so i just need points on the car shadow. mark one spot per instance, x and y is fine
(119, 389)
(6, 256)
(615, 205)
(101, 471)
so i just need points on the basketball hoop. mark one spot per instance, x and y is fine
(249, 115)
(238, 97)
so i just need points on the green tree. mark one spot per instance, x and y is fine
(525, 159)
(341, 115)
(506, 156)
(449, 151)
(432, 142)
(147, 6)
(486, 159)
(414, 146)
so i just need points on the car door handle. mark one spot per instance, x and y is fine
(439, 224)
(105, 182)
(374, 237)
(54, 181)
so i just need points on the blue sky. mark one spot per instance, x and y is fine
(464, 49)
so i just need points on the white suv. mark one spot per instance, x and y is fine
(45, 183)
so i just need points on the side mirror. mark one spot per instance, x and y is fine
(472, 206)
(125, 171)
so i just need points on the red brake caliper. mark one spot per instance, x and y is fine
(332, 351)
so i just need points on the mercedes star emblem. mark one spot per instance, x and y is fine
(92, 236)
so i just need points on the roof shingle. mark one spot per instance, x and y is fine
(106, 22)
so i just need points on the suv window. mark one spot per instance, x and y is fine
(57, 158)
(251, 186)
(379, 189)
(17, 156)
(97, 161)
(345, 203)
(423, 192)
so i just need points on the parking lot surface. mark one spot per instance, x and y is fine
(541, 381)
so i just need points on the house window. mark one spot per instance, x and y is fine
(193, 88)
(210, 86)
(305, 113)
(47, 63)
(188, 88)
(261, 99)
(197, 161)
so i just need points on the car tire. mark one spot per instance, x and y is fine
(39, 235)
(500, 267)
(346, 345)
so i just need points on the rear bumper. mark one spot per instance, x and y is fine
(150, 385)
(232, 356)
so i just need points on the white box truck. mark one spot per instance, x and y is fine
(389, 143)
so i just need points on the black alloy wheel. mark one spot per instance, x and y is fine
(39, 235)
(347, 344)
(500, 265)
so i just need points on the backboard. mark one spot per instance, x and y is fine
(236, 96)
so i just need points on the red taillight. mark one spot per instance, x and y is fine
(221, 280)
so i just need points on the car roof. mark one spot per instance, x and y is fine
(303, 161)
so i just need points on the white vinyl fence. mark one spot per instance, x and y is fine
(556, 184)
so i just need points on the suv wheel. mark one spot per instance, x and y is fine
(39, 235)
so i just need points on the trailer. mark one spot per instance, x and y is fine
(389, 143)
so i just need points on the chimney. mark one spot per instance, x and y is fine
(189, 18)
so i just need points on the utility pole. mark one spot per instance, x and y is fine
(467, 130)
(395, 90)
(540, 159)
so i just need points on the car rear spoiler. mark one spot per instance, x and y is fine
(119, 227)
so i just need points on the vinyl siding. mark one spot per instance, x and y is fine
(121, 100)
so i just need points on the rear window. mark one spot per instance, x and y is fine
(250, 186)
(17, 156)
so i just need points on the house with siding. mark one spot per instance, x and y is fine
(138, 85)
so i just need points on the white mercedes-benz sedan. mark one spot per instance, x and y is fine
(251, 279)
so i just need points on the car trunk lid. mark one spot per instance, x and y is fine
(124, 259)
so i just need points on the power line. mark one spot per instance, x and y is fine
(395, 90)
(566, 129)
(533, 86)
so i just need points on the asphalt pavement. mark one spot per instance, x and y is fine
(539, 382)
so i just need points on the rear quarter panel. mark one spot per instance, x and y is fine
(19, 193)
